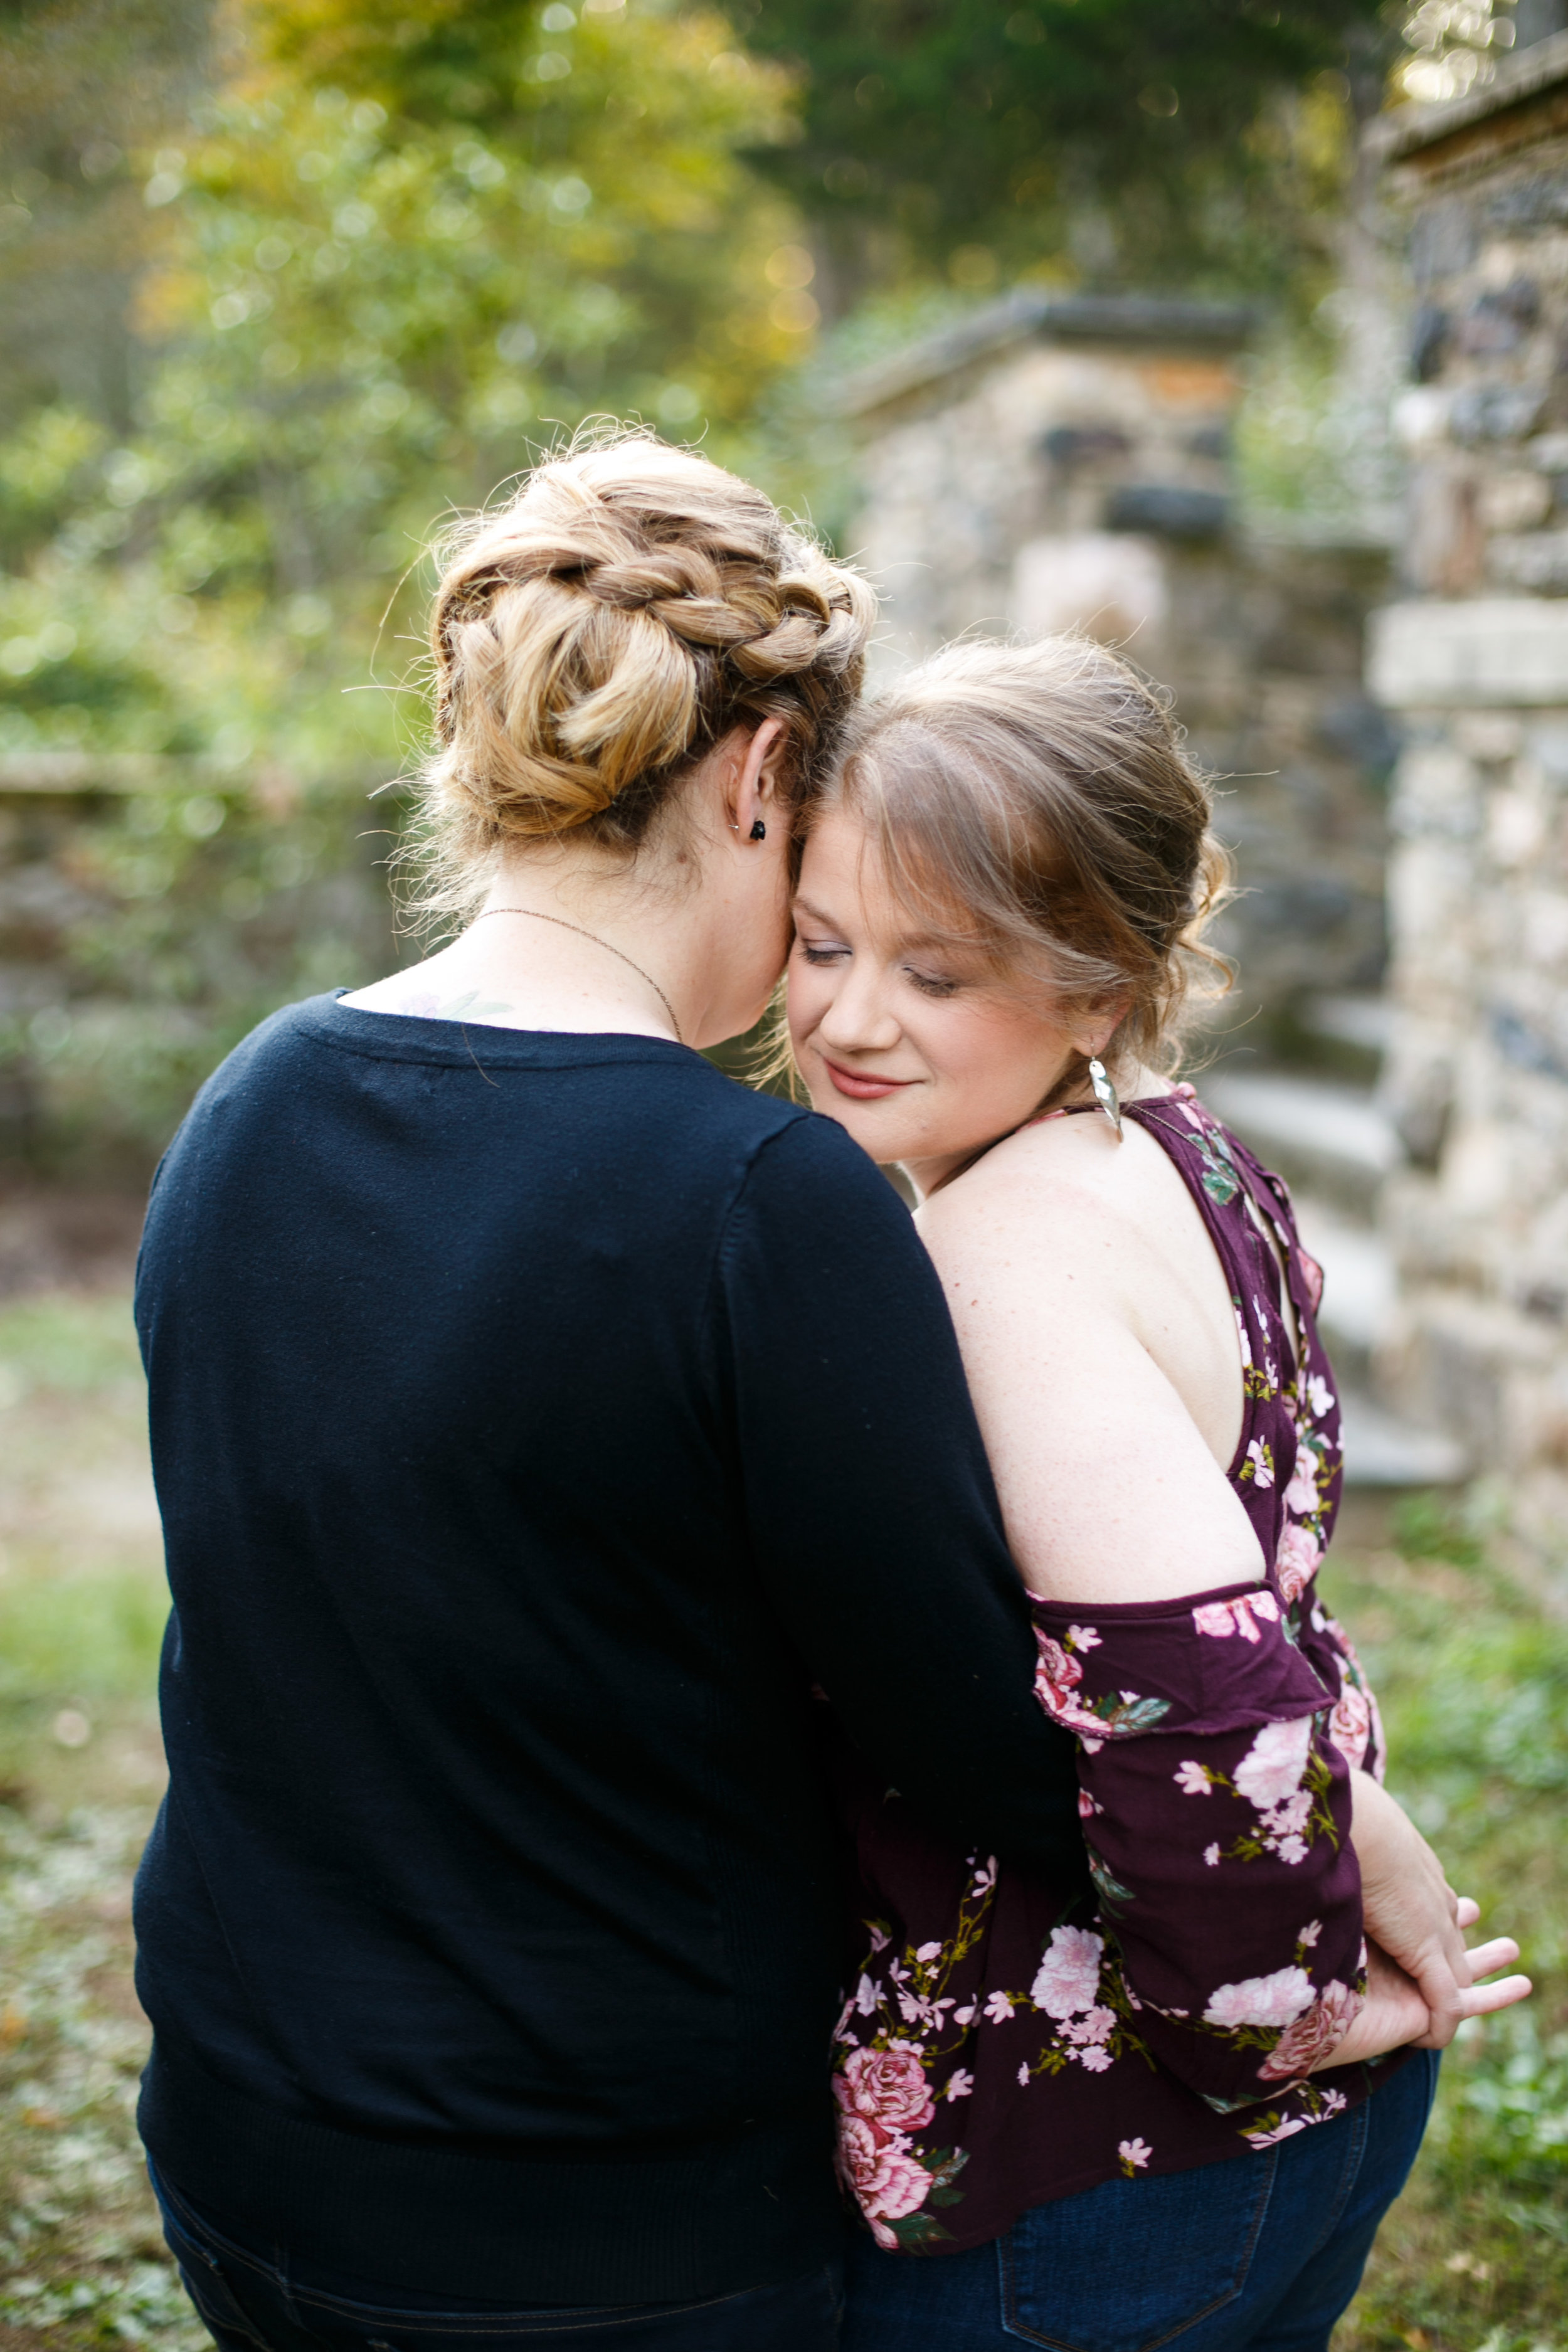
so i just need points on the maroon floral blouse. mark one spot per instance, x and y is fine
(1006, 2041)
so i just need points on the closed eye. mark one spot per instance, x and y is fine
(821, 953)
(930, 984)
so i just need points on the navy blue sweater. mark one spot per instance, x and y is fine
(535, 1419)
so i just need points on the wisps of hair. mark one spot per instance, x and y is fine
(1036, 801)
(596, 633)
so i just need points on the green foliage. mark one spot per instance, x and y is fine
(369, 309)
(83, 1637)
(1507, 2106)
(386, 262)
(1120, 140)
(80, 2251)
(78, 1619)
(1312, 441)
(1433, 1526)
(73, 1347)
(361, 318)
(84, 84)
(1473, 1681)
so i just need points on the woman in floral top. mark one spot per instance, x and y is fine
(1166, 2105)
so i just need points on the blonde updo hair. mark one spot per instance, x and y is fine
(1035, 801)
(593, 639)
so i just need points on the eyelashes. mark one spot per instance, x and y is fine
(929, 983)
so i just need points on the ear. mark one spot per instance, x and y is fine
(752, 787)
(1092, 1039)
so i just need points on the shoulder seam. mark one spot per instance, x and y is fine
(798, 1114)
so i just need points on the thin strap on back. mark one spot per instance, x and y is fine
(1227, 1169)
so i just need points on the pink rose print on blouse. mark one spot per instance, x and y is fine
(1301, 1494)
(1086, 2038)
(1349, 1726)
(1057, 1677)
(886, 2181)
(1313, 2036)
(1299, 1552)
(1244, 1336)
(1312, 1276)
(1277, 1999)
(1067, 1980)
(1224, 1618)
(1271, 1770)
(886, 2086)
(1357, 1681)
(1287, 2130)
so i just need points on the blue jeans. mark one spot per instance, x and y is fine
(248, 2303)
(1259, 2253)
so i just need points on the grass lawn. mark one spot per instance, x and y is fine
(1474, 1682)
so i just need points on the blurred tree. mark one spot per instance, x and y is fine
(385, 267)
(362, 309)
(84, 84)
(1453, 43)
(1129, 141)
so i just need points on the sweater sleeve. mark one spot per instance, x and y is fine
(1217, 1812)
(873, 1518)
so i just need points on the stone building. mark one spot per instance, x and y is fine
(1056, 461)
(1473, 661)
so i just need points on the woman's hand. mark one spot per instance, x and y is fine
(1394, 2014)
(1410, 1910)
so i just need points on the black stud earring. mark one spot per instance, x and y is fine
(759, 831)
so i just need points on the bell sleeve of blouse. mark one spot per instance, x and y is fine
(1217, 1812)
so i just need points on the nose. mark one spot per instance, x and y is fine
(859, 1020)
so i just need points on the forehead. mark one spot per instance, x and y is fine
(844, 878)
(841, 848)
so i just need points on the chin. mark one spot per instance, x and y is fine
(859, 1121)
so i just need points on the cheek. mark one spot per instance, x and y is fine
(807, 992)
(996, 1066)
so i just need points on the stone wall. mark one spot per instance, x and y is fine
(1475, 662)
(1066, 462)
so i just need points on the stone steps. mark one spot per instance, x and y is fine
(1323, 1136)
(1359, 1282)
(1382, 1450)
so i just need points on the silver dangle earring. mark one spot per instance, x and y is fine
(1105, 1094)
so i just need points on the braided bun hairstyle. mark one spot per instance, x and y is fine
(594, 638)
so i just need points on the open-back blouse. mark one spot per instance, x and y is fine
(1007, 2041)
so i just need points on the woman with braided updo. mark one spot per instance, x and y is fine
(537, 1417)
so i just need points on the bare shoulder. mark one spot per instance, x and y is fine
(1066, 1186)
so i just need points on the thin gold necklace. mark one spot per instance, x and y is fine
(608, 944)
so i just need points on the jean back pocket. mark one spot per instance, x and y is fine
(1129, 2265)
